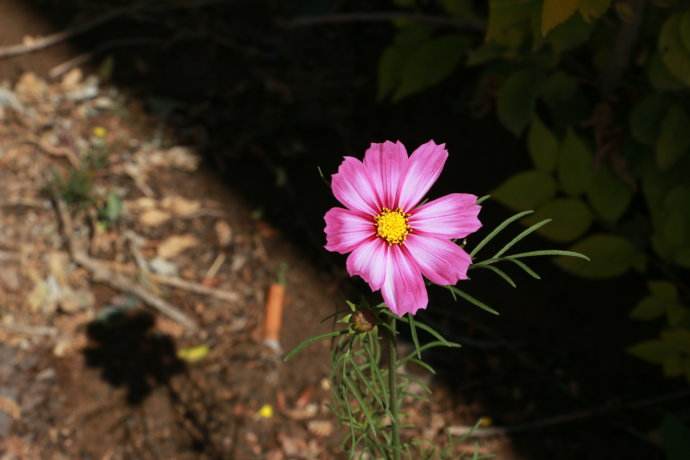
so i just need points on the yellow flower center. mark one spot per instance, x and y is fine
(392, 226)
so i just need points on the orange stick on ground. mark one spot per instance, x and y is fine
(273, 320)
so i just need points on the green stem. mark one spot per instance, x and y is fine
(393, 389)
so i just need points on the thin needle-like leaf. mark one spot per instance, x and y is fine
(522, 235)
(425, 347)
(500, 273)
(361, 401)
(312, 340)
(367, 383)
(482, 199)
(526, 268)
(473, 300)
(433, 332)
(549, 252)
(413, 332)
(498, 230)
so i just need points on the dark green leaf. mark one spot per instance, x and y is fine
(648, 308)
(659, 75)
(676, 438)
(516, 99)
(510, 21)
(390, 64)
(674, 139)
(542, 146)
(571, 218)
(610, 256)
(676, 314)
(431, 63)
(673, 54)
(663, 290)
(571, 34)
(592, 9)
(678, 339)
(526, 190)
(393, 58)
(558, 88)
(646, 116)
(652, 351)
(684, 30)
(555, 12)
(574, 165)
(609, 195)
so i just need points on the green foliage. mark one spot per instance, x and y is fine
(610, 255)
(608, 195)
(516, 99)
(556, 12)
(672, 349)
(526, 190)
(417, 61)
(571, 219)
(542, 146)
(582, 176)
(574, 165)
(74, 187)
(111, 210)
(674, 137)
(676, 437)
(646, 117)
(674, 54)
(603, 108)
(362, 398)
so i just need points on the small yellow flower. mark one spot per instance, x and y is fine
(485, 421)
(266, 411)
(99, 132)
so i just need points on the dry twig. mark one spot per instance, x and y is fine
(384, 16)
(59, 37)
(102, 274)
(460, 430)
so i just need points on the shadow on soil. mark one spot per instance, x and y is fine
(130, 353)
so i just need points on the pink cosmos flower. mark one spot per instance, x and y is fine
(393, 242)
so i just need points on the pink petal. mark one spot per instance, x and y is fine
(346, 229)
(386, 165)
(403, 289)
(441, 261)
(368, 260)
(424, 167)
(352, 187)
(451, 216)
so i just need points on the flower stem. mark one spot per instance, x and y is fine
(393, 389)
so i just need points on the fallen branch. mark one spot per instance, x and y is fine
(344, 18)
(76, 30)
(61, 69)
(460, 430)
(59, 37)
(24, 329)
(102, 274)
(55, 151)
(195, 287)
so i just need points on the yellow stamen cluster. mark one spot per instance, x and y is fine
(392, 225)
